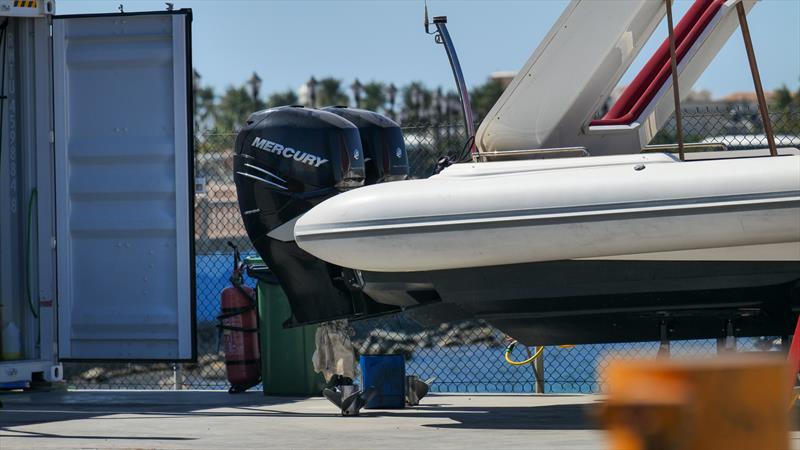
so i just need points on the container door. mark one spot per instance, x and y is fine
(123, 186)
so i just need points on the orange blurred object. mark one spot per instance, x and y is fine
(732, 402)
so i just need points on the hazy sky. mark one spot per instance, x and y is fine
(288, 41)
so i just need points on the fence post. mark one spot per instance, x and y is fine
(537, 366)
(538, 369)
(177, 377)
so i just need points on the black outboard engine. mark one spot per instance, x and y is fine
(288, 160)
(385, 157)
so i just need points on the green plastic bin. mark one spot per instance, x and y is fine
(286, 367)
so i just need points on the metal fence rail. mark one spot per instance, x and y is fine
(465, 357)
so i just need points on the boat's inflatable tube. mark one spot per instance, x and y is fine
(590, 210)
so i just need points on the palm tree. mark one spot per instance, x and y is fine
(287, 97)
(484, 96)
(787, 104)
(784, 98)
(234, 108)
(204, 97)
(417, 100)
(374, 96)
(329, 92)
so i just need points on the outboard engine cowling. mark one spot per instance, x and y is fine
(288, 160)
(385, 157)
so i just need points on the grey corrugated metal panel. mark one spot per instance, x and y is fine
(123, 187)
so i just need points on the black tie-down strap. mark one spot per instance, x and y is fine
(236, 281)
(232, 312)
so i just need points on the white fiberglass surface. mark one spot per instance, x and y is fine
(569, 74)
(642, 183)
(576, 212)
(509, 167)
(122, 171)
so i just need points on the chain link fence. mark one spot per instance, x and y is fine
(465, 356)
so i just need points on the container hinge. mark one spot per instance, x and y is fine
(53, 243)
(52, 137)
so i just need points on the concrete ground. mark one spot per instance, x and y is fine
(215, 420)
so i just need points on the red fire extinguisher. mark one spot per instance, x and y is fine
(238, 326)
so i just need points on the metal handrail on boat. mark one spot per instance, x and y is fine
(691, 147)
(533, 153)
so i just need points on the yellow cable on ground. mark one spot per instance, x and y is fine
(510, 348)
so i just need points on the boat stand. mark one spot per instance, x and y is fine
(664, 345)
(727, 344)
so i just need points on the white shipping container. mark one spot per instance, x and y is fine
(96, 189)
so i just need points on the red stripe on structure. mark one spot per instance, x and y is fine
(794, 354)
(656, 72)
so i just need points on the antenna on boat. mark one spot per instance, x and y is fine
(441, 36)
(427, 22)
(673, 61)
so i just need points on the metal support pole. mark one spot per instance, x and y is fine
(177, 377)
(673, 60)
(730, 340)
(751, 58)
(727, 344)
(721, 345)
(664, 345)
(538, 368)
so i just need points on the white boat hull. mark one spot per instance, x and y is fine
(584, 208)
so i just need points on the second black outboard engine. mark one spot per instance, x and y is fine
(288, 160)
(385, 157)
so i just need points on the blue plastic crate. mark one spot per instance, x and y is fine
(388, 374)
